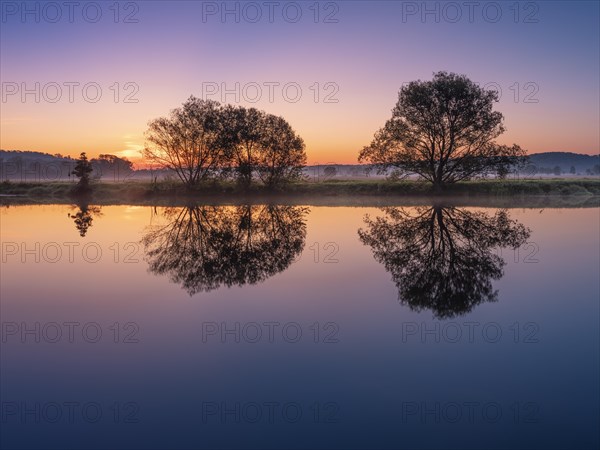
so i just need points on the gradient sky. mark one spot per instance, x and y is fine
(374, 47)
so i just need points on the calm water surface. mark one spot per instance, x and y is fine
(299, 327)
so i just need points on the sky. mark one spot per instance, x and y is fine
(89, 76)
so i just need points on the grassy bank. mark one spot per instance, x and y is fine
(140, 191)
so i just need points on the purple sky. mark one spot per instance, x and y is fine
(333, 72)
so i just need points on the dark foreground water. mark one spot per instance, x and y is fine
(299, 327)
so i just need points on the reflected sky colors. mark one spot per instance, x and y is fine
(348, 67)
(357, 367)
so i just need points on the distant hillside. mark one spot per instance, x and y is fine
(28, 156)
(16, 165)
(565, 161)
(20, 165)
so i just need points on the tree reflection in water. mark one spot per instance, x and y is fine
(84, 217)
(442, 258)
(205, 247)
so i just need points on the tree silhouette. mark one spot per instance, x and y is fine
(282, 154)
(205, 247)
(84, 217)
(242, 140)
(262, 143)
(82, 170)
(188, 141)
(442, 258)
(112, 166)
(329, 172)
(205, 140)
(443, 130)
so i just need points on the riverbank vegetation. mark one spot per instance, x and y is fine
(228, 190)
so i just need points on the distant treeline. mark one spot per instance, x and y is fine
(18, 165)
(37, 166)
(558, 163)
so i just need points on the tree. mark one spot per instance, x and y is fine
(264, 144)
(557, 170)
(443, 130)
(281, 154)
(330, 172)
(573, 170)
(113, 166)
(242, 139)
(82, 170)
(442, 258)
(189, 141)
(530, 170)
(203, 139)
(502, 173)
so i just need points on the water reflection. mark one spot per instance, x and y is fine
(442, 258)
(84, 217)
(205, 247)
